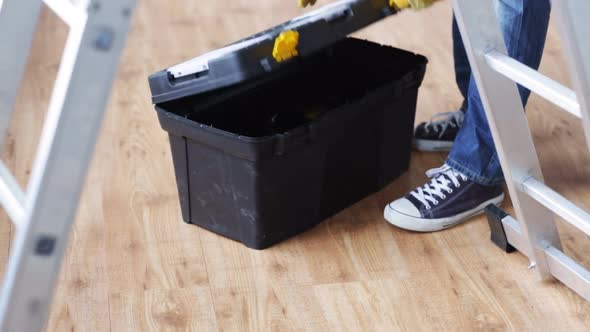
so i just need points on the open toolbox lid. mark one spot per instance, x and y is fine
(268, 50)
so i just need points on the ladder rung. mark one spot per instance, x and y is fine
(558, 204)
(531, 79)
(12, 197)
(514, 235)
(67, 11)
(568, 271)
(561, 266)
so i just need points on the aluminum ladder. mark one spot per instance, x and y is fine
(535, 233)
(43, 214)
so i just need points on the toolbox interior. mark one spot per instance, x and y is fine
(300, 92)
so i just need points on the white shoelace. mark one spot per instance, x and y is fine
(439, 186)
(446, 121)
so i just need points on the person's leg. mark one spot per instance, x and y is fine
(471, 179)
(462, 66)
(524, 25)
(440, 132)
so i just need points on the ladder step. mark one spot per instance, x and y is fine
(558, 204)
(67, 11)
(514, 235)
(12, 197)
(568, 271)
(561, 266)
(531, 79)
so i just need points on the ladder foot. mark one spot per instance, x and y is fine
(498, 235)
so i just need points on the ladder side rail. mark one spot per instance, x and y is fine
(66, 146)
(573, 18)
(481, 34)
(18, 21)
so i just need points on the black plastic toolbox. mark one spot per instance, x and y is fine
(265, 156)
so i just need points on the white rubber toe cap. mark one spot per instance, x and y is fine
(403, 214)
(405, 207)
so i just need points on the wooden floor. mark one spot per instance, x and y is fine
(133, 265)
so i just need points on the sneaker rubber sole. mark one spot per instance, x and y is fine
(431, 145)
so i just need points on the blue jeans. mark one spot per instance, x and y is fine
(524, 26)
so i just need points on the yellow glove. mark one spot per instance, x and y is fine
(414, 4)
(304, 3)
